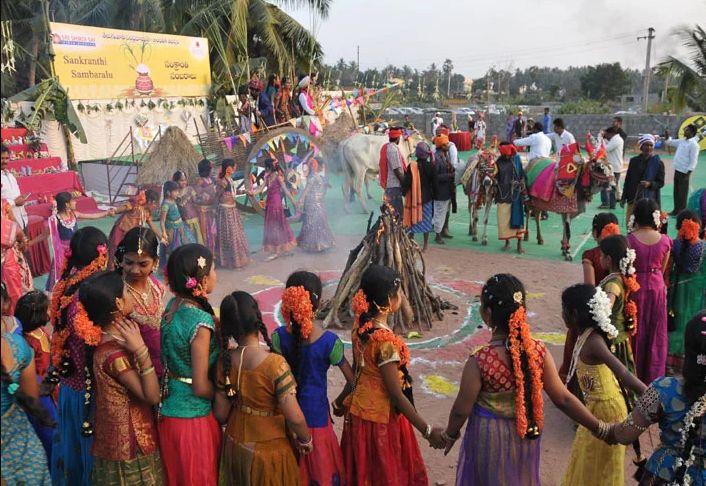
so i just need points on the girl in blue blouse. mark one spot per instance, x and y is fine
(310, 352)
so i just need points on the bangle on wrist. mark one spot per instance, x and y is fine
(142, 352)
(147, 371)
(306, 443)
(427, 431)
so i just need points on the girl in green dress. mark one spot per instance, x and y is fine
(687, 291)
(176, 232)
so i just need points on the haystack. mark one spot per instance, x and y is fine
(173, 151)
(333, 134)
(387, 243)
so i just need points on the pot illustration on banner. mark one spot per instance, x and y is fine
(143, 83)
(138, 54)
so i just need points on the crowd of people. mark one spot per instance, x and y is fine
(106, 381)
(164, 392)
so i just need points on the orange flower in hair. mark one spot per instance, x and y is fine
(387, 336)
(689, 231)
(360, 303)
(520, 341)
(609, 230)
(58, 300)
(297, 307)
(631, 317)
(58, 352)
(85, 328)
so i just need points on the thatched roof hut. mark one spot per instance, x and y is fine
(173, 151)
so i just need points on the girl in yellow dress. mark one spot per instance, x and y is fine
(588, 309)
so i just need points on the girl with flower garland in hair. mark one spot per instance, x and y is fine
(190, 437)
(603, 226)
(652, 250)
(687, 292)
(678, 405)
(379, 445)
(310, 352)
(589, 309)
(72, 346)
(137, 257)
(501, 390)
(256, 400)
(232, 244)
(32, 312)
(125, 447)
(175, 232)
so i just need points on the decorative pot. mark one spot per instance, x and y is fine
(144, 84)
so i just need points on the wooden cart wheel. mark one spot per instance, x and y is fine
(294, 146)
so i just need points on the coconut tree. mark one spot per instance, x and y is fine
(689, 73)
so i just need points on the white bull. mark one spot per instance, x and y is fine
(360, 158)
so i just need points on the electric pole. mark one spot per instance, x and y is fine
(357, 74)
(648, 72)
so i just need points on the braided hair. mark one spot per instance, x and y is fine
(84, 250)
(681, 259)
(240, 316)
(600, 221)
(312, 284)
(379, 284)
(500, 296)
(183, 264)
(32, 310)
(694, 382)
(575, 300)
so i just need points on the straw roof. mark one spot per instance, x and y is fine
(173, 151)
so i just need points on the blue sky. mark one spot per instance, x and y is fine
(508, 34)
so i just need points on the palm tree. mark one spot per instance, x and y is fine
(239, 31)
(690, 74)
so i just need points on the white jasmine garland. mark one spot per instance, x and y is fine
(657, 218)
(631, 223)
(626, 263)
(697, 410)
(600, 310)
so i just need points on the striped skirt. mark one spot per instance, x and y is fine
(425, 225)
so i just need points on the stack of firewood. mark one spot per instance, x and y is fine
(387, 243)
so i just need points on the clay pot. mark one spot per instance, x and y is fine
(144, 84)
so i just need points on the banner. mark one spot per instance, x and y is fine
(96, 63)
(699, 121)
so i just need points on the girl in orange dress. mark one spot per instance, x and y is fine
(379, 445)
(256, 401)
(125, 447)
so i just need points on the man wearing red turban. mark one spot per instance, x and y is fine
(392, 169)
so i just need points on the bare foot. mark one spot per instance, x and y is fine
(505, 248)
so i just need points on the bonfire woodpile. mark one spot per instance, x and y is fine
(387, 243)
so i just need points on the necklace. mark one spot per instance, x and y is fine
(577, 352)
(114, 336)
(143, 295)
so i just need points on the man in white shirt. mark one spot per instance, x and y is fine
(614, 155)
(685, 159)
(561, 136)
(436, 122)
(10, 190)
(540, 145)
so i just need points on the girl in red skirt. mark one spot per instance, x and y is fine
(190, 437)
(310, 352)
(379, 444)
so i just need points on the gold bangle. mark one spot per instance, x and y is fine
(147, 371)
(142, 353)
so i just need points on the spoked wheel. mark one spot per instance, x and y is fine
(291, 147)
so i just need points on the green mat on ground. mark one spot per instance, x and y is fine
(354, 224)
